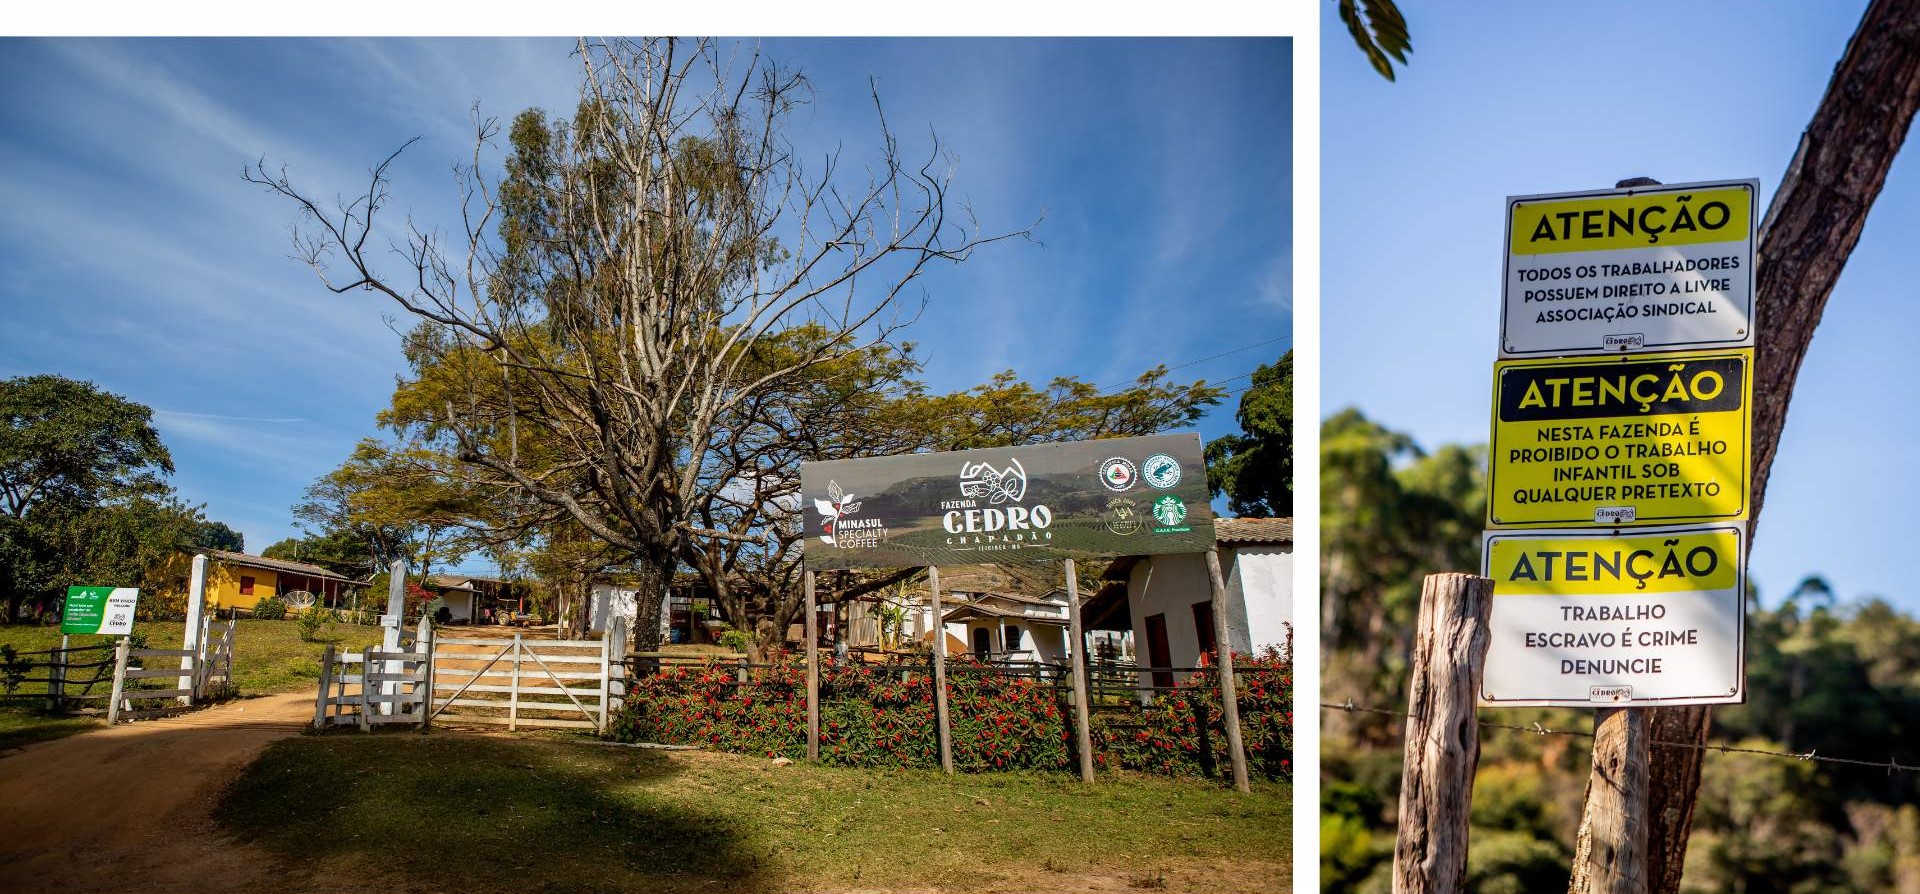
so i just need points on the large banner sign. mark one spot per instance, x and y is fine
(1117, 497)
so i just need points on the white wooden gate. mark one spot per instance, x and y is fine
(527, 681)
(203, 673)
(362, 689)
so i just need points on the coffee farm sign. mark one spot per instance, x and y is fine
(1122, 496)
(102, 610)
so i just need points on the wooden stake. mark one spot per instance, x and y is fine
(1077, 652)
(1610, 853)
(119, 679)
(1229, 692)
(940, 727)
(326, 684)
(813, 668)
(1443, 735)
(57, 677)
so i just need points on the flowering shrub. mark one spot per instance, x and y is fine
(1183, 732)
(882, 716)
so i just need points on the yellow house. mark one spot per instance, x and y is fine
(240, 581)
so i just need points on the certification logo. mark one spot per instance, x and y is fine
(1123, 516)
(839, 528)
(1161, 471)
(1118, 473)
(1171, 513)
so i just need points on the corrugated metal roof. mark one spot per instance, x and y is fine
(1253, 530)
(252, 561)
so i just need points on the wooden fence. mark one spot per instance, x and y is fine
(199, 675)
(517, 681)
(363, 689)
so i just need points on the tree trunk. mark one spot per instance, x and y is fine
(656, 577)
(1811, 227)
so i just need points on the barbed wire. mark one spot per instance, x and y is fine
(1892, 765)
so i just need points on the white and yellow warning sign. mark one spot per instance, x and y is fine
(1608, 441)
(1646, 616)
(1655, 268)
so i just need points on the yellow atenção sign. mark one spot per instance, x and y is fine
(1604, 441)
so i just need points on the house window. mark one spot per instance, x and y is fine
(246, 585)
(1013, 639)
(1203, 624)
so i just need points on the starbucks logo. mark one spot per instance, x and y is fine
(1118, 473)
(1161, 471)
(1169, 511)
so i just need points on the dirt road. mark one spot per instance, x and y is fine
(127, 808)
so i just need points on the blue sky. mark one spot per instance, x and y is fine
(1514, 98)
(132, 254)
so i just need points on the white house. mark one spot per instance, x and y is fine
(1168, 604)
(609, 601)
(1002, 627)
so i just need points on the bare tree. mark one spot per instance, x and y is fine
(604, 318)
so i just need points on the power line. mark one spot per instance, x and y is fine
(1892, 765)
(1227, 353)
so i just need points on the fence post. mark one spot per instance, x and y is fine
(618, 649)
(941, 730)
(326, 686)
(1229, 690)
(813, 667)
(366, 690)
(191, 639)
(119, 679)
(1610, 853)
(390, 634)
(513, 696)
(1077, 663)
(1443, 735)
(423, 643)
(57, 676)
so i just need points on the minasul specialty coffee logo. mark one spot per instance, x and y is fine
(1161, 471)
(1001, 523)
(838, 526)
(1118, 473)
(1171, 513)
(1123, 516)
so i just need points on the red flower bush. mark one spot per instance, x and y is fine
(883, 716)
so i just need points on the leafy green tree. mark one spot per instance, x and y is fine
(83, 496)
(217, 535)
(1255, 468)
(64, 442)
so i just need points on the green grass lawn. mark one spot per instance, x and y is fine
(269, 656)
(451, 811)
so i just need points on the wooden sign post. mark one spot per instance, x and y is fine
(1443, 735)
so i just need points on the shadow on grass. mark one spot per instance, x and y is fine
(481, 814)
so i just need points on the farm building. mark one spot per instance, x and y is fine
(239, 581)
(1008, 627)
(1166, 602)
(472, 598)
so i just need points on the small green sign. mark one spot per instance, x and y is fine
(103, 610)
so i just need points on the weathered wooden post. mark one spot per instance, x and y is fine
(941, 730)
(1229, 691)
(57, 676)
(513, 691)
(1443, 734)
(1610, 853)
(192, 639)
(813, 668)
(119, 679)
(423, 644)
(390, 626)
(326, 688)
(1077, 656)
